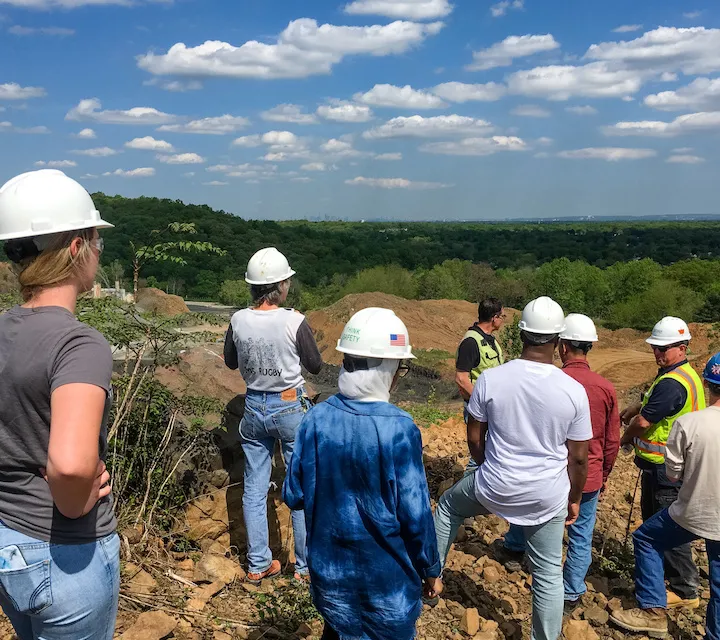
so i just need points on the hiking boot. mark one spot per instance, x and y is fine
(674, 601)
(513, 561)
(570, 606)
(646, 621)
(273, 570)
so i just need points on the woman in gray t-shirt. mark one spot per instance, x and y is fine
(59, 553)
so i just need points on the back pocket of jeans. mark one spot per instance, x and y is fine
(28, 588)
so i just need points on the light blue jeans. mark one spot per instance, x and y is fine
(268, 419)
(544, 545)
(66, 592)
(579, 552)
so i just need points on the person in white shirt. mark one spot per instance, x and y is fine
(533, 465)
(693, 456)
(268, 344)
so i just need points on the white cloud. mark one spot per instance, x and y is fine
(13, 91)
(91, 110)
(247, 141)
(141, 172)
(667, 76)
(691, 51)
(395, 183)
(98, 152)
(689, 123)
(86, 134)
(702, 93)
(545, 141)
(181, 158)
(530, 111)
(215, 183)
(462, 92)
(301, 179)
(476, 146)
(502, 54)
(682, 150)
(501, 8)
(314, 166)
(685, 159)
(582, 110)
(420, 127)
(303, 49)
(70, 4)
(387, 95)
(148, 143)
(691, 15)
(17, 30)
(8, 127)
(628, 28)
(610, 154)
(562, 82)
(345, 112)
(389, 156)
(56, 164)
(175, 86)
(291, 113)
(245, 170)
(336, 146)
(218, 126)
(410, 9)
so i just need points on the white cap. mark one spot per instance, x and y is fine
(268, 266)
(542, 316)
(376, 333)
(44, 202)
(580, 328)
(669, 330)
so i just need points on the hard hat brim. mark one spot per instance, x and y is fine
(368, 354)
(663, 342)
(289, 274)
(90, 224)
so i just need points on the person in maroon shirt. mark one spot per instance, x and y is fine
(575, 343)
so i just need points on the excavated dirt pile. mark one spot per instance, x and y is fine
(157, 301)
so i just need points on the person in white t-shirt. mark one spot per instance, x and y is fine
(533, 465)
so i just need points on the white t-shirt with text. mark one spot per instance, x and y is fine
(532, 409)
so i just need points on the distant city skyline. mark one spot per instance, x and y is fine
(382, 109)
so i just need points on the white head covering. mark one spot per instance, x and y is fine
(371, 384)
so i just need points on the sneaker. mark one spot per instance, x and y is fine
(674, 601)
(654, 625)
(273, 570)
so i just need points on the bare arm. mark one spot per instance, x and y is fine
(638, 426)
(462, 380)
(74, 471)
(630, 412)
(577, 470)
(476, 432)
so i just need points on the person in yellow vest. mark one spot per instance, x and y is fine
(676, 390)
(479, 349)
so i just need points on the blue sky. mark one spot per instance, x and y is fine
(419, 109)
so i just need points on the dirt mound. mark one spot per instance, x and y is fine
(8, 279)
(157, 301)
(432, 324)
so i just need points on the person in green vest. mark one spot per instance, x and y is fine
(479, 349)
(676, 390)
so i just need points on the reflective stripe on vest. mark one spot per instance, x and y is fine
(651, 446)
(489, 357)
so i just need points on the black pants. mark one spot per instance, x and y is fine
(329, 633)
(658, 493)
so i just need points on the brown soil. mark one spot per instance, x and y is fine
(8, 279)
(157, 301)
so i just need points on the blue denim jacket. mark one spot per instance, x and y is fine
(357, 471)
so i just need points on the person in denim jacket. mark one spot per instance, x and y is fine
(357, 472)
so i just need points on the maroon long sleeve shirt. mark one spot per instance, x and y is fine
(604, 447)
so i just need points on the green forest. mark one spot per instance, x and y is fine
(623, 273)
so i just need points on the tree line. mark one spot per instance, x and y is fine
(624, 273)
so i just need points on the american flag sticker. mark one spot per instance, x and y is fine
(397, 340)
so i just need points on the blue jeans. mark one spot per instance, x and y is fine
(579, 552)
(267, 419)
(657, 535)
(66, 591)
(544, 544)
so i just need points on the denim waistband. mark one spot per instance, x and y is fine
(299, 393)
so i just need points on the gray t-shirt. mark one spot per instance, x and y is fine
(40, 350)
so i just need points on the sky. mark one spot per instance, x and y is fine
(395, 109)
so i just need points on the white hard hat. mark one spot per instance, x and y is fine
(543, 316)
(268, 266)
(376, 333)
(580, 328)
(669, 330)
(43, 202)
